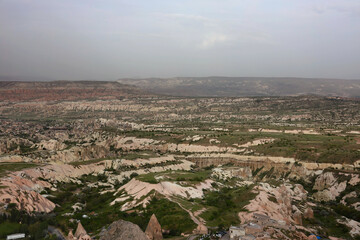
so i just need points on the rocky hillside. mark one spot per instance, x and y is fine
(247, 86)
(65, 90)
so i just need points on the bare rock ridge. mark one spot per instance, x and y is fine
(123, 230)
(65, 90)
(247, 86)
(153, 230)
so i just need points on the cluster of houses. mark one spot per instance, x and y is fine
(255, 229)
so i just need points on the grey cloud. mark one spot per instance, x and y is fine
(112, 39)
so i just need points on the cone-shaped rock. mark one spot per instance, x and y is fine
(153, 230)
(80, 231)
(70, 236)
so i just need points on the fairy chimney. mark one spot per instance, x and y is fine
(70, 235)
(80, 231)
(153, 229)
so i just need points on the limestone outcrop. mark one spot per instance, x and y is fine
(328, 187)
(139, 191)
(52, 145)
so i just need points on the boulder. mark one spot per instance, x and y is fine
(201, 229)
(308, 213)
(123, 230)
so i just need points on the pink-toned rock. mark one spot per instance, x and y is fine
(201, 229)
(153, 229)
(70, 236)
(308, 213)
(354, 179)
(300, 236)
(324, 181)
(23, 192)
(297, 218)
(81, 233)
(280, 210)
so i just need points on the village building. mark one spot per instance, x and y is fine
(253, 228)
(15, 236)
(236, 232)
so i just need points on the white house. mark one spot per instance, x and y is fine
(15, 236)
(236, 232)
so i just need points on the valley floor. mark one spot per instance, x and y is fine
(268, 168)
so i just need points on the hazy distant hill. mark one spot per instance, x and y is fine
(65, 90)
(247, 86)
(10, 78)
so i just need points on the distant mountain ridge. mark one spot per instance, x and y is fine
(247, 86)
(66, 90)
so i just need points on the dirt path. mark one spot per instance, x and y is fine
(194, 216)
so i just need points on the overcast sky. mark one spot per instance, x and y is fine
(88, 39)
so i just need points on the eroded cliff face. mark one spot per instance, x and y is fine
(281, 208)
(330, 185)
(263, 167)
(24, 191)
(24, 187)
(82, 153)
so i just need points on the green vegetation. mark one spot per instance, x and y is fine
(327, 148)
(12, 167)
(150, 178)
(193, 176)
(100, 213)
(189, 177)
(175, 120)
(225, 204)
(70, 144)
(79, 163)
(20, 222)
(266, 173)
(170, 215)
(349, 212)
(312, 148)
(141, 155)
(256, 171)
(327, 221)
(7, 228)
